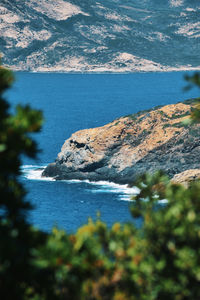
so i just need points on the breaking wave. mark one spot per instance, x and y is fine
(34, 172)
(124, 192)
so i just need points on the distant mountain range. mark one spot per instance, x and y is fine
(99, 36)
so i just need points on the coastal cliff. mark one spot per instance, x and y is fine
(152, 140)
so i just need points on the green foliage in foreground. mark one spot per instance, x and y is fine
(160, 260)
(194, 80)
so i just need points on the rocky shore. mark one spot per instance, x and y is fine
(131, 145)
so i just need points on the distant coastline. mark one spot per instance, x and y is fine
(93, 37)
(169, 70)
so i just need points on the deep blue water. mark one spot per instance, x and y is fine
(77, 101)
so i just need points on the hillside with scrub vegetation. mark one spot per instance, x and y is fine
(100, 36)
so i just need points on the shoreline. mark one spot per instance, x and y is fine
(91, 72)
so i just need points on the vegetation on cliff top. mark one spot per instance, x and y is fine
(159, 260)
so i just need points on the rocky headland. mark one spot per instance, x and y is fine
(158, 139)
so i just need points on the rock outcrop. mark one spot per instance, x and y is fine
(131, 145)
(186, 177)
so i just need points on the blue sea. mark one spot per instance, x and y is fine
(71, 102)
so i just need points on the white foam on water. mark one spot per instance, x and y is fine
(124, 192)
(34, 172)
(127, 198)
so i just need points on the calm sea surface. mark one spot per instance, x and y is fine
(77, 101)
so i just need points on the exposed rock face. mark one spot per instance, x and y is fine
(124, 148)
(186, 177)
